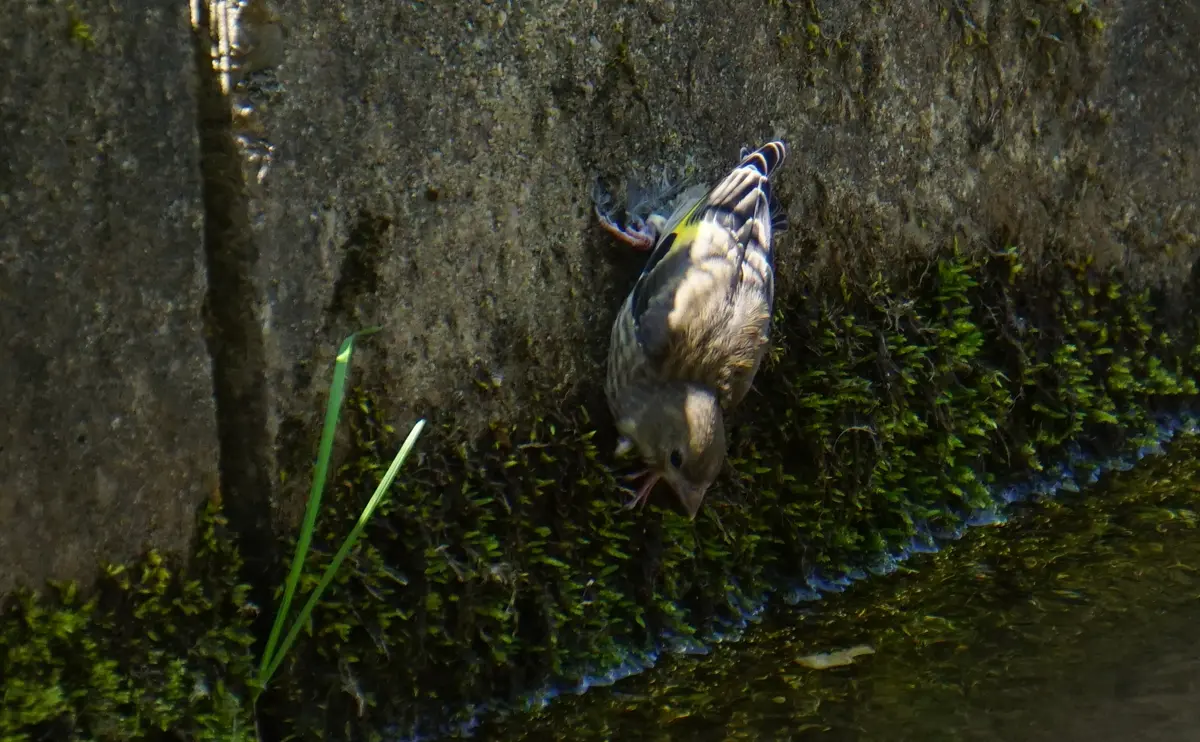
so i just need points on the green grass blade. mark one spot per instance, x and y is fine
(337, 393)
(347, 545)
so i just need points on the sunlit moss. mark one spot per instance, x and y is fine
(154, 650)
(79, 31)
(892, 409)
(984, 635)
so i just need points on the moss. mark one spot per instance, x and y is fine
(81, 33)
(153, 650)
(893, 409)
(78, 30)
(983, 636)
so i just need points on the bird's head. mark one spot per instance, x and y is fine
(680, 434)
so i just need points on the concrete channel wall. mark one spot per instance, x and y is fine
(175, 278)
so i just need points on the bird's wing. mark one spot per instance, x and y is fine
(703, 303)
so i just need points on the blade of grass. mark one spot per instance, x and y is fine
(347, 545)
(337, 393)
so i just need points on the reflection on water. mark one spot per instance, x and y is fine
(1080, 620)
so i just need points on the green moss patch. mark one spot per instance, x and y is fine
(1012, 633)
(893, 408)
(154, 651)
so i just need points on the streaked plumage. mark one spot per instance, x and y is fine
(689, 338)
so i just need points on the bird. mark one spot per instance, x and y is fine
(690, 336)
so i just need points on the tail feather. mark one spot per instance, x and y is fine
(745, 194)
(766, 158)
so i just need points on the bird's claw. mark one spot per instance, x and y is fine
(643, 493)
(639, 233)
(635, 502)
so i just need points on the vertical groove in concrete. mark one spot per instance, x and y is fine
(234, 331)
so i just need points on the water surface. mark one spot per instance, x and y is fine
(1078, 620)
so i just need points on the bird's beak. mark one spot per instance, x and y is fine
(692, 498)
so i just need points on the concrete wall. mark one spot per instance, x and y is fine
(429, 170)
(434, 160)
(107, 433)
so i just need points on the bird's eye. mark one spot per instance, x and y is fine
(676, 459)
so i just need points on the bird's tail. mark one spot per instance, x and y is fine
(745, 197)
(766, 158)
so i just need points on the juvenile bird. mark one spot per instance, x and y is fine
(689, 338)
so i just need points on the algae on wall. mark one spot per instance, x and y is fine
(888, 409)
(892, 409)
(892, 402)
(154, 650)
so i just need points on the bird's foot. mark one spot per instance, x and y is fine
(635, 475)
(643, 493)
(639, 233)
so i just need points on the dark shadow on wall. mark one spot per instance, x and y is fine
(233, 331)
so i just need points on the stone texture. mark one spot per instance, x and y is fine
(107, 443)
(1152, 163)
(429, 172)
(433, 161)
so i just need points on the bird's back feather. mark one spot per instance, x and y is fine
(701, 309)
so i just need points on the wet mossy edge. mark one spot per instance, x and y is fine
(990, 634)
(895, 410)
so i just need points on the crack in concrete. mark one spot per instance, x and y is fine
(233, 331)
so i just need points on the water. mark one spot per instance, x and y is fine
(1078, 620)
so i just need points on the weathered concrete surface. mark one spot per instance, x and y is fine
(107, 442)
(434, 160)
(430, 173)
(1153, 160)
